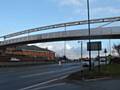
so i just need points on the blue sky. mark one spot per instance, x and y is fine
(18, 15)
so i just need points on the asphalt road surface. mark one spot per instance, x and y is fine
(108, 84)
(35, 77)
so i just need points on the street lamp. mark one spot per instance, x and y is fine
(110, 46)
(65, 57)
(105, 51)
(81, 49)
(88, 12)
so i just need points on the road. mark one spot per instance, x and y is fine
(29, 78)
(110, 84)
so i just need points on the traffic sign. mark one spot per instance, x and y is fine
(94, 46)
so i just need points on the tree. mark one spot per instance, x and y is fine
(117, 48)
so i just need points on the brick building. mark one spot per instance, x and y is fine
(31, 53)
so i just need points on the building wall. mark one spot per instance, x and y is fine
(47, 54)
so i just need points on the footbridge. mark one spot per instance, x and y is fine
(79, 34)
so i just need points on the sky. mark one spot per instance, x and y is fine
(18, 15)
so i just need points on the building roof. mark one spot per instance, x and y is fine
(33, 48)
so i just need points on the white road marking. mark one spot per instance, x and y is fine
(46, 82)
(49, 86)
(104, 78)
(50, 72)
(50, 81)
(37, 74)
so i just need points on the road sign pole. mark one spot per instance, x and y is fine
(99, 61)
(81, 50)
(105, 51)
(88, 9)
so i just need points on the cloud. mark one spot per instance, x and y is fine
(106, 10)
(75, 3)
(72, 52)
(54, 45)
(78, 7)
(75, 7)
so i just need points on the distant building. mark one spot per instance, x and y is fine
(30, 53)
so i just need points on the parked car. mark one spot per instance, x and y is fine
(102, 60)
(86, 63)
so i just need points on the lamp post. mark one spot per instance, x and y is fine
(105, 51)
(65, 57)
(110, 46)
(81, 49)
(89, 33)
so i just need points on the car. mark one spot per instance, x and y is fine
(102, 60)
(86, 63)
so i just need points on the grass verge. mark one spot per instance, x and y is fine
(110, 70)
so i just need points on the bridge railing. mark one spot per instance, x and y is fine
(92, 21)
(107, 31)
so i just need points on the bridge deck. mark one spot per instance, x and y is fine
(100, 33)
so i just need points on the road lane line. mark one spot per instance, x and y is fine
(52, 80)
(61, 74)
(49, 86)
(50, 72)
(46, 82)
(37, 74)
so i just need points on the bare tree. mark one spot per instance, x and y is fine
(117, 48)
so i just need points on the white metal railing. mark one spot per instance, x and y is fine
(73, 33)
(92, 21)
